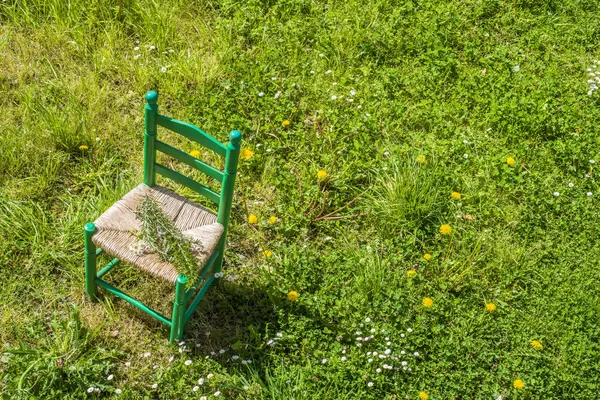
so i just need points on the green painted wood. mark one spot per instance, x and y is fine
(178, 309)
(90, 262)
(198, 297)
(150, 113)
(203, 273)
(190, 183)
(193, 133)
(99, 251)
(132, 301)
(108, 267)
(189, 160)
(227, 190)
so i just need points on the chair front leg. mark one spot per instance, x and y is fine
(178, 317)
(90, 262)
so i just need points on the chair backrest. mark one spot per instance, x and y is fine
(230, 152)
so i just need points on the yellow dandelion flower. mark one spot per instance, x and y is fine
(195, 153)
(491, 307)
(421, 159)
(536, 345)
(427, 302)
(510, 161)
(83, 147)
(252, 219)
(321, 174)
(423, 396)
(292, 296)
(518, 384)
(445, 229)
(427, 256)
(246, 153)
(272, 220)
(456, 195)
(267, 253)
(285, 123)
(411, 273)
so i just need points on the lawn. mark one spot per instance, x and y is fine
(421, 173)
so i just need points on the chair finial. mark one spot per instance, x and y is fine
(235, 136)
(151, 97)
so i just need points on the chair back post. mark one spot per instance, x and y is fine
(150, 112)
(229, 174)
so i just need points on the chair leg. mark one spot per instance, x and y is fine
(218, 264)
(90, 262)
(177, 319)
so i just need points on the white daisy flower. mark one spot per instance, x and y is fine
(155, 386)
(378, 370)
(110, 377)
(416, 354)
(261, 94)
(588, 194)
(277, 95)
(90, 390)
(147, 354)
(324, 361)
(136, 48)
(209, 376)
(152, 47)
(465, 155)
(118, 391)
(516, 68)
(556, 194)
(196, 388)
(367, 320)
(188, 362)
(370, 384)
(352, 92)
(217, 394)
(334, 97)
(343, 358)
(328, 71)
(409, 330)
(163, 69)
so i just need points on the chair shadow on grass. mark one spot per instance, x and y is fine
(232, 316)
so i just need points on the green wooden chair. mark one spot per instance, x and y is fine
(112, 231)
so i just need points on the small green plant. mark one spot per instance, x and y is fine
(160, 235)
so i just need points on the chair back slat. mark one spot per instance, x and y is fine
(191, 132)
(189, 160)
(188, 182)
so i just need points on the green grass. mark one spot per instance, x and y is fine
(432, 78)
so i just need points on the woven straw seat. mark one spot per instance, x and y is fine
(114, 228)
